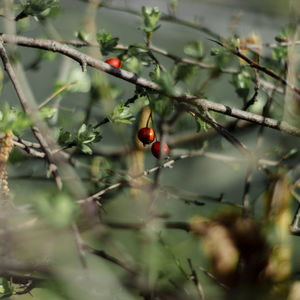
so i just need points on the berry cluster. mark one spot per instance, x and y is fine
(147, 135)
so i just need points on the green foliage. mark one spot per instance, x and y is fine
(242, 83)
(82, 35)
(81, 139)
(286, 33)
(160, 104)
(194, 49)
(107, 42)
(280, 54)
(59, 209)
(222, 57)
(76, 81)
(6, 288)
(150, 16)
(137, 52)
(13, 119)
(201, 125)
(1, 81)
(232, 42)
(173, 5)
(164, 80)
(47, 55)
(185, 72)
(121, 114)
(132, 64)
(41, 8)
(47, 112)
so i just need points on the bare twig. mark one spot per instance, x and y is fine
(259, 67)
(214, 278)
(195, 279)
(116, 261)
(169, 164)
(79, 246)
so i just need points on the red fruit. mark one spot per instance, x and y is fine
(160, 152)
(146, 135)
(115, 62)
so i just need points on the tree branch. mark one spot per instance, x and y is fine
(26, 107)
(133, 78)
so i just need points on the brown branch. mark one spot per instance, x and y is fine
(133, 78)
(259, 67)
(26, 107)
(185, 226)
(194, 278)
(116, 261)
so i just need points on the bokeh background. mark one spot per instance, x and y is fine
(161, 254)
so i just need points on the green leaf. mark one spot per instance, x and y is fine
(6, 288)
(286, 33)
(164, 80)
(42, 8)
(150, 16)
(86, 149)
(47, 112)
(132, 64)
(13, 119)
(47, 55)
(81, 80)
(82, 35)
(280, 54)
(201, 125)
(58, 209)
(222, 57)
(81, 139)
(173, 5)
(1, 81)
(185, 72)
(65, 138)
(107, 42)
(122, 114)
(242, 83)
(194, 49)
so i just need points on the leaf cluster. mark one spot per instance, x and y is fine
(13, 119)
(81, 139)
(150, 16)
(41, 8)
(107, 42)
(121, 114)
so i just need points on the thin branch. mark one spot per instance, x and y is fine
(29, 150)
(79, 245)
(26, 107)
(259, 67)
(116, 261)
(194, 278)
(164, 17)
(169, 164)
(133, 78)
(214, 278)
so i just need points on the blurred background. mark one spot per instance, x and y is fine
(159, 253)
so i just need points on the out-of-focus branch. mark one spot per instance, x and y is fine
(26, 107)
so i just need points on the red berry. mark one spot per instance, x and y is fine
(160, 152)
(115, 62)
(146, 135)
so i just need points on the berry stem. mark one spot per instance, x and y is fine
(150, 117)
